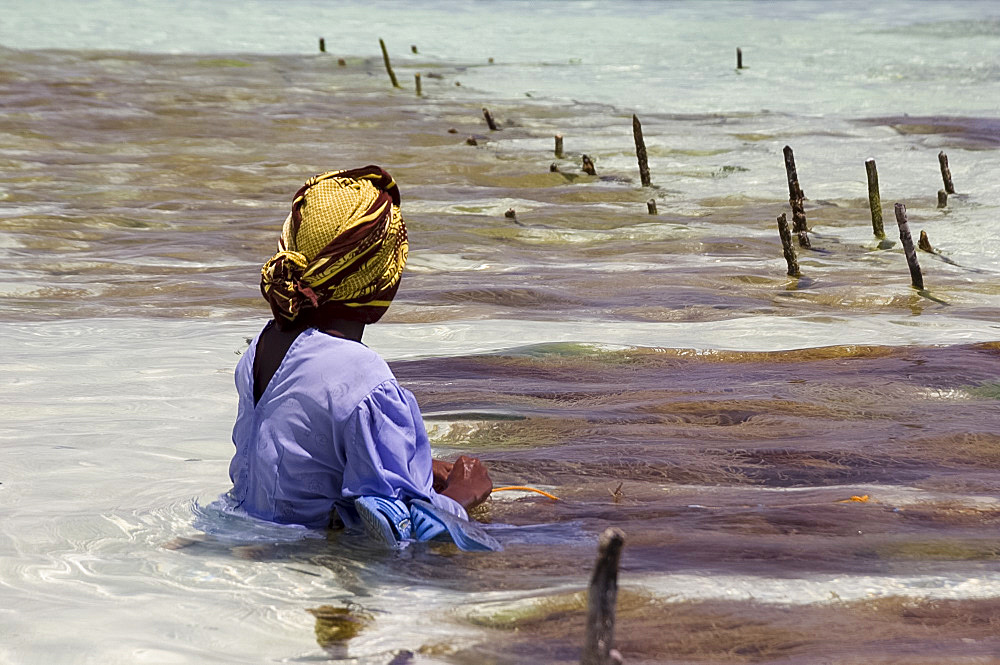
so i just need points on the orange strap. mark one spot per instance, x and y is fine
(524, 488)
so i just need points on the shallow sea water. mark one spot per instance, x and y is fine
(806, 470)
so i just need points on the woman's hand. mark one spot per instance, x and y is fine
(468, 482)
(441, 471)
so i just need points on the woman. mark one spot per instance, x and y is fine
(324, 434)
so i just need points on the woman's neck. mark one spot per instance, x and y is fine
(344, 328)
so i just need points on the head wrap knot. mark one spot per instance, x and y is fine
(282, 275)
(342, 248)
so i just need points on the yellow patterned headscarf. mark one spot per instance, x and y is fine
(343, 247)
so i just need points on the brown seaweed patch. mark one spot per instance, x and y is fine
(981, 449)
(533, 611)
(555, 360)
(504, 297)
(785, 467)
(972, 132)
(651, 628)
(521, 180)
(971, 619)
(684, 469)
(941, 550)
(885, 630)
(951, 514)
(735, 412)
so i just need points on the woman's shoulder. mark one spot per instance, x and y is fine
(344, 357)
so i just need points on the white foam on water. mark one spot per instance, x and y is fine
(819, 588)
(748, 333)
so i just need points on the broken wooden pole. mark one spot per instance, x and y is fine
(559, 146)
(786, 245)
(739, 58)
(651, 206)
(874, 199)
(553, 168)
(796, 199)
(916, 277)
(489, 119)
(588, 166)
(949, 187)
(322, 45)
(942, 199)
(640, 151)
(388, 65)
(925, 243)
(602, 597)
(416, 80)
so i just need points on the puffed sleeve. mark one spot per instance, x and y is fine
(388, 452)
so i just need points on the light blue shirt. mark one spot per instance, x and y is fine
(333, 424)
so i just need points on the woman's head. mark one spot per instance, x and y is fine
(342, 249)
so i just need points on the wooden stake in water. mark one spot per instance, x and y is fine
(413, 48)
(416, 79)
(640, 151)
(916, 277)
(322, 45)
(874, 200)
(588, 166)
(796, 199)
(559, 146)
(341, 62)
(388, 65)
(786, 246)
(651, 206)
(942, 199)
(946, 173)
(925, 243)
(602, 596)
(489, 119)
(739, 58)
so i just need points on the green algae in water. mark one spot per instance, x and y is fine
(521, 613)
(727, 170)
(602, 354)
(504, 434)
(989, 390)
(222, 62)
(336, 625)
(561, 349)
(753, 136)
